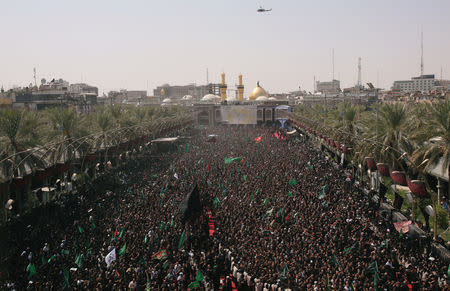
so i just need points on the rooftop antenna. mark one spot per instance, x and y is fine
(34, 74)
(332, 59)
(421, 54)
(332, 81)
(378, 79)
(359, 72)
(207, 76)
(314, 84)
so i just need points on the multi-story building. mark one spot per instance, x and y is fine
(56, 93)
(424, 83)
(331, 87)
(177, 92)
(134, 96)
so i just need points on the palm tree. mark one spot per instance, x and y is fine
(68, 130)
(19, 134)
(433, 138)
(392, 132)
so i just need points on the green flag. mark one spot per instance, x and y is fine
(384, 244)
(195, 284)
(182, 239)
(199, 276)
(121, 233)
(149, 285)
(293, 182)
(80, 229)
(123, 250)
(290, 194)
(321, 194)
(281, 212)
(171, 222)
(65, 252)
(376, 278)
(51, 259)
(257, 191)
(334, 261)
(245, 178)
(216, 202)
(146, 239)
(266, 200)
(230, 160)
(66, 278)
(79, 260)
(31, 269)
(350, 249)
(93, 226)
(448, 270)
(165, 265)
(373, 268)
(285, 270)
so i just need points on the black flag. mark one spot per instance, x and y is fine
(398, 201)
(426, 216)
(383, 190)
(190, 207)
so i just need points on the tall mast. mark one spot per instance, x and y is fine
(34, 75)
(421, 54)
(332, 60)
(359, 72)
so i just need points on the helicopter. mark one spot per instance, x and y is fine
(262, 10)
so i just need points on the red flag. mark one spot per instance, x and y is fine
(258, 139)
(276, 135)
(116, 233)
(287, 217)
(242, 160)
(207, 165)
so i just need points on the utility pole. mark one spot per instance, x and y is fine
(359, 72)
(35, 83)
(314, 85)
(332, 59)
(421, 54)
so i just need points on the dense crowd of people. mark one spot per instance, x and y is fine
(282, 209)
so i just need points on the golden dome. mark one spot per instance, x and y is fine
(258, 92)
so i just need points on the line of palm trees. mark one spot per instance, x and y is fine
(411, 138)
(36, 143)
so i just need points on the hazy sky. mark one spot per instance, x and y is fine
(138, 45)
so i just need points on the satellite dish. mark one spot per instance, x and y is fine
(43, 81)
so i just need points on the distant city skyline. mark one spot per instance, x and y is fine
(139, 45)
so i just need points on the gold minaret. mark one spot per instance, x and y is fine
(223, 88)
(240, 88)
